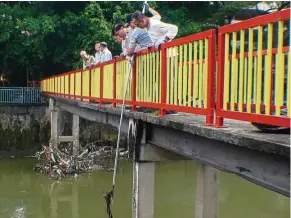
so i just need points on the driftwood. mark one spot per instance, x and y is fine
(58, 163)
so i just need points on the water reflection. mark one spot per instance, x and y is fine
(23, 194)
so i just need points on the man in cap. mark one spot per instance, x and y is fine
(105, 53)
(124, 32)
(133, 40)
(88, 60)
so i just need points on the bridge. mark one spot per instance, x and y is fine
(218, 82)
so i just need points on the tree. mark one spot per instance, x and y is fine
(40, 39)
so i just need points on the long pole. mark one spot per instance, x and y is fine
(121, 117)
(109, 195)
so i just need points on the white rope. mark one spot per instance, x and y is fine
(121, 117)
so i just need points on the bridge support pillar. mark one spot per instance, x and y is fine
(143, 189)
(206, 202)
(143, 175)
(54, 123)
(75, 130)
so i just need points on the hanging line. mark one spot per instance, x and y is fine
(109, 195)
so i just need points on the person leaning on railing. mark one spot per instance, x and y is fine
(98, 53)
(159, 31)
(131, 26)
(105, 53)
(88, 60)
(138, 37)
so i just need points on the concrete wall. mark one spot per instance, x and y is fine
(23, 129)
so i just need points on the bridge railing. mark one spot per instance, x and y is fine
(253, 60)
(254, 70)
(20, 95)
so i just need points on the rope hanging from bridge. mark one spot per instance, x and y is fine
(109, 195)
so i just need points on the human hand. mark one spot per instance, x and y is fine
(158, 44)
(146, 6)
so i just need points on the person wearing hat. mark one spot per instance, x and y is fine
(134, 39)
(105, 53)
(125, 34)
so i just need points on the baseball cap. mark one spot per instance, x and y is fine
(128, 19)
(103, 44)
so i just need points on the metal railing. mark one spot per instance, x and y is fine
(252, 82)
(20, 95)
(254, 70)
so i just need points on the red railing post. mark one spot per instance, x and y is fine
(90, 85)
(101, 84)
(69, 86)
(211, 77)
(134, 84)
(114, 83)
(75, 85)
(54, 92)
(220, 79)
(64, 86)
(163, 80)
(81, 85)
(58, 87)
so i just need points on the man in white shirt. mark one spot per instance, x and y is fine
(159, 31)
(105, 53)
(98, 53)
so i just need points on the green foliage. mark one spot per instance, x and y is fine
(39, 39)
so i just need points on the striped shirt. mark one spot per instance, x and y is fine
(140, 37)
(126, 41)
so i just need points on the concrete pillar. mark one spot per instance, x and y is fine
(206, 202)
(76, 130)
(143, 190)
(54, 123)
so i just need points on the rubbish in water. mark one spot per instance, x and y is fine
(58, 163)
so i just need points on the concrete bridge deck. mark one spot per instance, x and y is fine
(262, 158)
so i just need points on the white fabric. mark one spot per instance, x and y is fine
(158, 30)
(106, 55)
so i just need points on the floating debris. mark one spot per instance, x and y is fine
(58, 163)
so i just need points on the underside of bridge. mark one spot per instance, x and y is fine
(259, 158)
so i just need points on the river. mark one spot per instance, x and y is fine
(25, 194)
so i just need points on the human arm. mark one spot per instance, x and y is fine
(124, 49)
(152, 11)
(97, 58)
(131, 45)
(169, 31)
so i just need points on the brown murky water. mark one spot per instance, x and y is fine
(24, 194)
